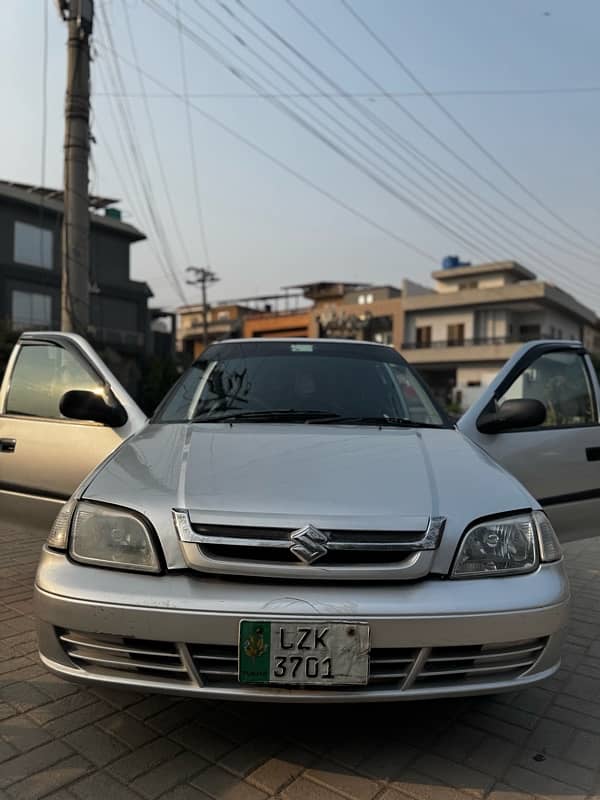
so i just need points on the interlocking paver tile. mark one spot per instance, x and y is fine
(348, 783)
(23, 733)
(454, 774)
(208, 744)
(143, 758)
(559, 769)
(22, 766)
(280, 770)
(541, 785)
(60, 726)
(165, 776)
(102, 786)
(96, 745)
(127, 729)
(39, 784)
(222, 785)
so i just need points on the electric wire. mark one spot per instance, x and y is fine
(275, 160)
(473, 139)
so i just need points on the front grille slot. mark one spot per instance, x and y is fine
(272, 545)
(103, 654)
(472, 663)
(389, 668)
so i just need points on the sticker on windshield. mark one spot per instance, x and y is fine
(301, 348)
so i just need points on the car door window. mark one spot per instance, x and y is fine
(42, 374)
(560, 381)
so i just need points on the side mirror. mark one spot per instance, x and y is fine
(86, 405)
(513, 414)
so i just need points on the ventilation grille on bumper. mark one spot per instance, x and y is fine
(102, 654)
(216, 666)
(389, 668)
(470, 664)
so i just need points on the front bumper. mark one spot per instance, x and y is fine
(179, 633)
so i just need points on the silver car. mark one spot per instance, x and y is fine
(299, 521)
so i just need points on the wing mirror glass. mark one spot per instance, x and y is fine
(86, 405)
(512, 415)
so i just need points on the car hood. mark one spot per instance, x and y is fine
(284, 475)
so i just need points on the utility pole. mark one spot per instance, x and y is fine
(75, 299)
(202, 276)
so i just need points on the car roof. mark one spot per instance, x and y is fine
(302, 339)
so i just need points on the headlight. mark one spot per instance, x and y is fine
(498, 547)
(112, 537)
(550, 549)
(58, 538)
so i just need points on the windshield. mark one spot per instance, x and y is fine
(300, 381)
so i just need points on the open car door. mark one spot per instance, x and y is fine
(555, 454)
(44, 454)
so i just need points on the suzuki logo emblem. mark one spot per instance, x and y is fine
(309, 544)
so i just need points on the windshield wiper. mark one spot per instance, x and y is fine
(381, 421)
(266, 415)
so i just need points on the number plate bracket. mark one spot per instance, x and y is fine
(304, 653)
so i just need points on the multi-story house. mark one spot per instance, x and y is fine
(30, 274)
(460, 333)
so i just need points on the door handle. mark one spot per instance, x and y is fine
(8, 445)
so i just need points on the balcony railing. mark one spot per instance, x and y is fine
(479, 341)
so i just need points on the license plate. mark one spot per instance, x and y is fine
(304, 653)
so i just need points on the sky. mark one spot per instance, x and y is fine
(265, 226)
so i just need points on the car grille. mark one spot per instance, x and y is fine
(308, 553)
(102, 654)
(216, 666)
(273, 545)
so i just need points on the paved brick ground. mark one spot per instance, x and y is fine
(63, 742)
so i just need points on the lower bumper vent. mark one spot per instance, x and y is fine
(101, 654)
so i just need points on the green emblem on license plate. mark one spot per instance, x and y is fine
(255, 651)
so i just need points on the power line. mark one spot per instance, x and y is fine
(449, 180)
(142, 172)
(154, 140)
(278, 162)
(466, 132)
(365, 144)
(381, 94)
(117, 167)
(333, 145)
(376, 119)
(190, 133)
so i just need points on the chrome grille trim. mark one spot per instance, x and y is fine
(210, 666)
(102, 654)
(263, 551)
(397, 668)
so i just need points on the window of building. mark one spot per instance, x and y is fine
(468, 285)
(33, 245)
(361, 299)
(369, 298)
(42, 374)
(31, 309)
(424, 336)
(222, 315)
(383, 337)
(456, 334)
(528, 332)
